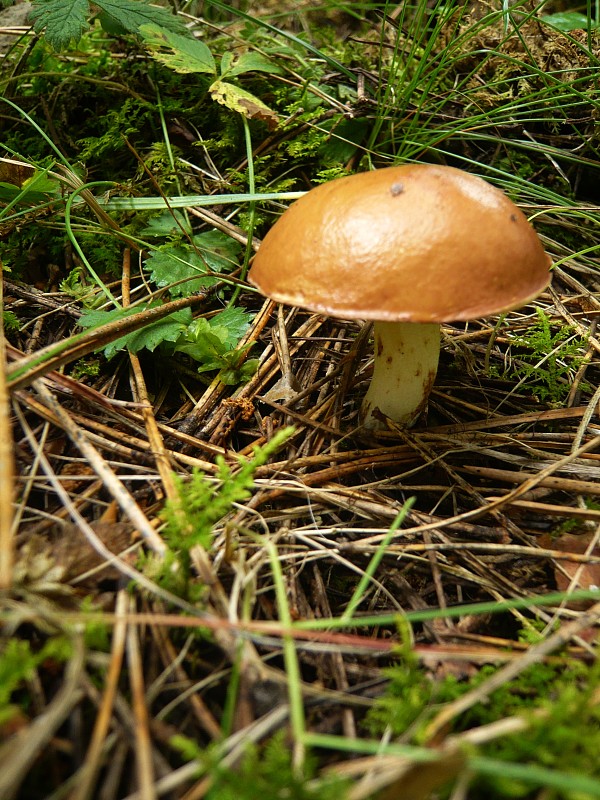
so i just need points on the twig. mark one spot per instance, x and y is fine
(103, 720)
(7, 545)
(143, 743)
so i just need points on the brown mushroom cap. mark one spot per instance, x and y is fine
(415, 243)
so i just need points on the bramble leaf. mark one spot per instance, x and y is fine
(220, 251)
(179, 268)
(212, 343)
(132, 14)
(182, 54)
(168, 329)
(66, 20)
(63, 20)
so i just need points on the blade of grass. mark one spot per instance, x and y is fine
(188, 201)
(491, 607)
(373, 564)
(290, 656)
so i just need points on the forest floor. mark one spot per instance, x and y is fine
(214, 582)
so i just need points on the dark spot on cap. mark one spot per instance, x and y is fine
(513, 217)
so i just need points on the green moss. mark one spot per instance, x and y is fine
(556, 701)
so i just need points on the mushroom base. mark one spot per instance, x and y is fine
(405, 366)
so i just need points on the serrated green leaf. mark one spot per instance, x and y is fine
(248, 62)
(179, 268)
(220, 251)
(133, 14)
(180, 53)
(184, 269)
(60, 20)
(167, 223)
(65, 20)
(110, 25)
(168, 329)
(95, 319)
(243, 102)
(235, 321)
(213, 342)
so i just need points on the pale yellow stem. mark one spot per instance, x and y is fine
(406, 360)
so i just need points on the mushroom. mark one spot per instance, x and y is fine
(408, 247)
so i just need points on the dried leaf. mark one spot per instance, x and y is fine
(565, 571)
(243, 102)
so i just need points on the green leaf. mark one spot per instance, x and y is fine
(211, 342)
(232, 376)
(168, 329)
(166, 224)
(569, 20)
(132, 14)
(180, 53)
(345, 138)
(179, 268)
(220, 251)
(247, 62)
(10, 192)
(243, 102)
(226, 62)
(184, 269)
(110, 25)
(37, 188)
(204, 344)
(67, 20)
(236, 321)
(63, 20)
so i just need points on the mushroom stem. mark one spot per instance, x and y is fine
(406, 360)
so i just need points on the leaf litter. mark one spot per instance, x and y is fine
(503, 509)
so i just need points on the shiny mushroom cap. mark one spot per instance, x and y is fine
(414, 243)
